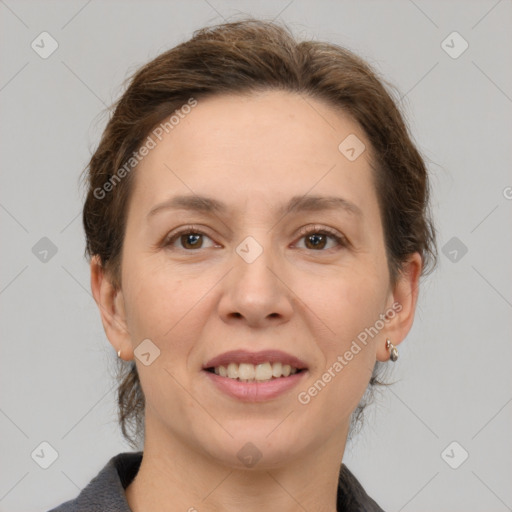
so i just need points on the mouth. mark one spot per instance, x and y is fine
(247, 372)
(255, 377)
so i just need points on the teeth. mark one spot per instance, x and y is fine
(276, 369)
(245, 371)
(250, 372)
(263, 371)
(232, 371)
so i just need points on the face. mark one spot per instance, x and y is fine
(274, 273)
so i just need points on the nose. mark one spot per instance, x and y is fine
(255, 291)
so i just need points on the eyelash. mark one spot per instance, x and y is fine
(304, 232)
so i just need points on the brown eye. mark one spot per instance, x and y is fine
(316, 239)
(189, 239)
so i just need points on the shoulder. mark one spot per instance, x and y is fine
(351, 494)
(105, 492)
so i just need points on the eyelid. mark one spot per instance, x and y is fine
(184, 230)
(317, 228)
(304, 231)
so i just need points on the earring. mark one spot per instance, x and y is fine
(393, 351)
(119, 353)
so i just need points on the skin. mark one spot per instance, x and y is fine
(252, 152)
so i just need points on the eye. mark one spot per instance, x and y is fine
(316, 237)
(190, 238)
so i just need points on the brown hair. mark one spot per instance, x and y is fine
(242, 57)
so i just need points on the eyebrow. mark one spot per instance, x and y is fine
(294, 205)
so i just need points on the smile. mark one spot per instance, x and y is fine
(255, 376)
(247, 372)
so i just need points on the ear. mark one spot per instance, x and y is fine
(403, 299)
(110, 302)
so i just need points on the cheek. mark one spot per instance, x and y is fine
(330, 398)
(166, 305)
(351, 303)
(350, 357)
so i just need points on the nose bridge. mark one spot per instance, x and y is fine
(253, 261)
(253, 288)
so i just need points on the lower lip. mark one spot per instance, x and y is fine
(256, 391)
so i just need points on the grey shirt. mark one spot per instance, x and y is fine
(105, 492)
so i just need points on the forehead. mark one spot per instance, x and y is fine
(259, 127)
(273, 145)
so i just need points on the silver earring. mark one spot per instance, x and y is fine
(393, 351)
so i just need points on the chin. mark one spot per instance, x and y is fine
(255, 449)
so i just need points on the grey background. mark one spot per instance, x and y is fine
(454, 369)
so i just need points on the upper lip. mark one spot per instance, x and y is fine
(244, 356)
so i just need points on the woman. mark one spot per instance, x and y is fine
(257, 221)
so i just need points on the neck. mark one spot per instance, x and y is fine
(174, 476)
